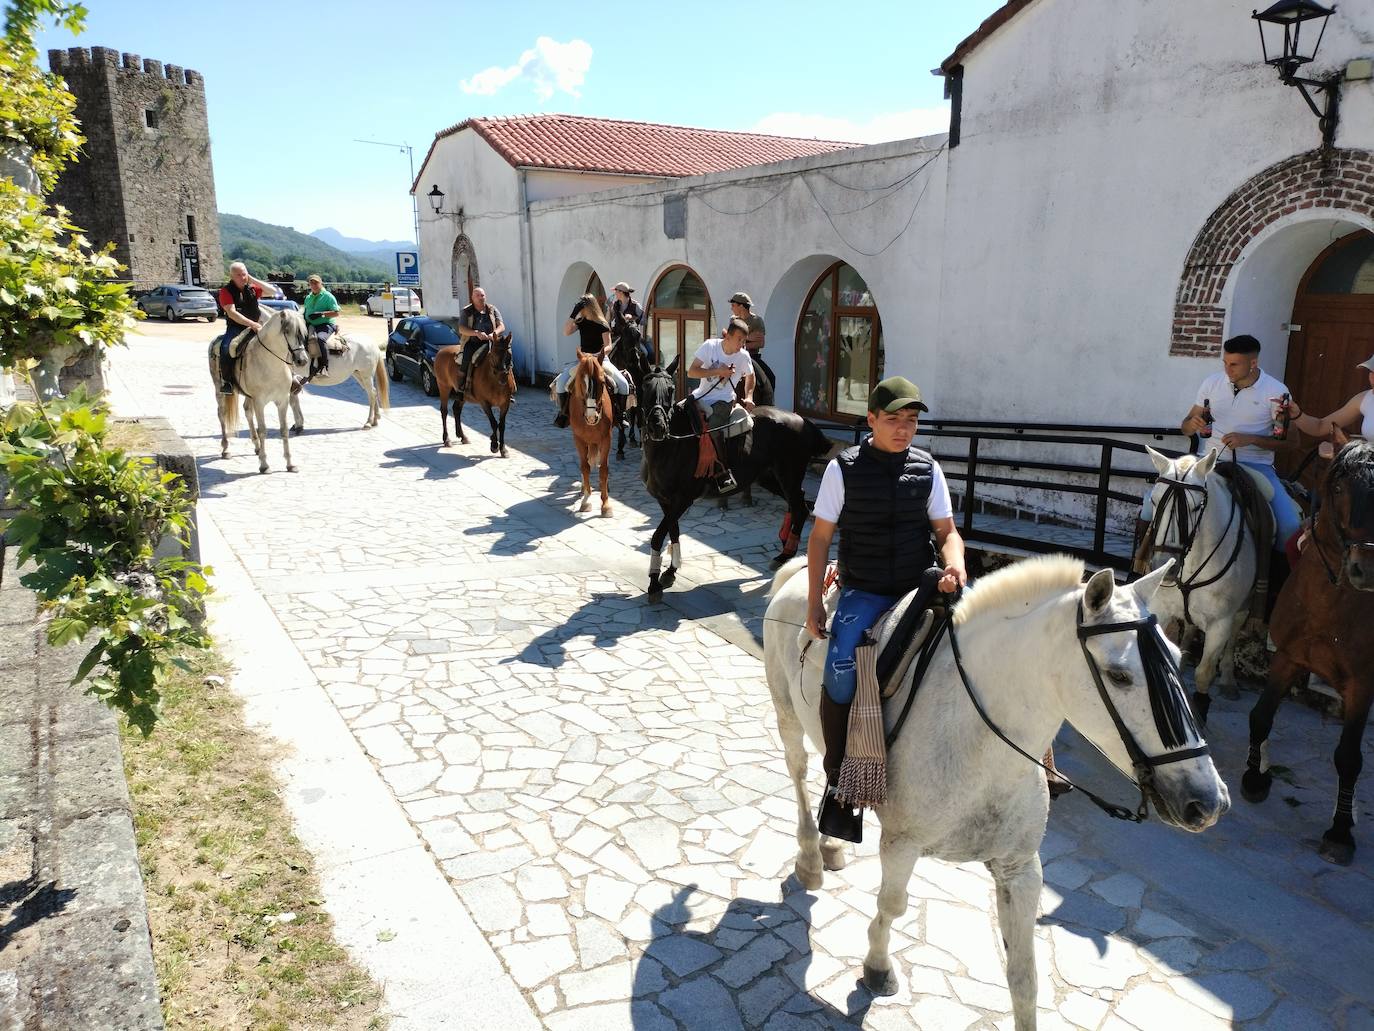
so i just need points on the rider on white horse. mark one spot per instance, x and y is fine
(321, 311)
(238, 298)
(888, 498)
(1234, 410)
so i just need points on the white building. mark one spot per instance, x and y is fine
(1125, 186)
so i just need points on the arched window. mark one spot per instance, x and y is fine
(598, 291)
(679, 317)
(839, 346)
(1346, 268)
(465, 277)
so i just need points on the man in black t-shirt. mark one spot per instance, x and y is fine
(478, 323)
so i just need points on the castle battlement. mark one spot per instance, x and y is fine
(79, 60)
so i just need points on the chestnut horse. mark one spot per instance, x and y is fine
(491, 383)
(1321, 625)
(589, 411)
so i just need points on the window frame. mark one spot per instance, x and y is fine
(837, 312)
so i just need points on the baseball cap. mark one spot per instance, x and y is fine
(623, 287)
(895, 393)
(741, 298)
(1367, 364)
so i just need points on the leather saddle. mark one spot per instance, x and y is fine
(903, 630)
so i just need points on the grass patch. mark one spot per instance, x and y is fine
(222, 868)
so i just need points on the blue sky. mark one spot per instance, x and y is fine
(291, 85)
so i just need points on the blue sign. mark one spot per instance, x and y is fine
(407, 268)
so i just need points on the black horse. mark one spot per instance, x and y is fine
(774, 454)
(627, 355)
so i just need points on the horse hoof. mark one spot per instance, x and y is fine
(296, 431)
(586, 506)
(445, 443)
(224, 453)
(834, 858)
(605, 511)
(262, 471)
(808, 878)
(668, 578)
(1337, 852)
(503, 453)
(654, 595)
(747, 501)
(880, 982)
(1255, 785)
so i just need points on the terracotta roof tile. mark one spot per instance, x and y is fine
(629, 148)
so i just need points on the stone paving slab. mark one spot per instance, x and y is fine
(599, 784)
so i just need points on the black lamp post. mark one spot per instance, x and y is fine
(1303, 24)
(436, 199)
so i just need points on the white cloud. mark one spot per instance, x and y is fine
(549, 66)
(897, 125)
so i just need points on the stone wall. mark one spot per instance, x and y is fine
(137, 184)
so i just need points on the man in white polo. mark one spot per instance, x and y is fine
(1242, 399)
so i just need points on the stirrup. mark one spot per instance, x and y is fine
(837, 820)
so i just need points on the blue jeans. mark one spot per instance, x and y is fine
(232, 330)
(855, 616)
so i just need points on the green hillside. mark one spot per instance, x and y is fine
(276, 252)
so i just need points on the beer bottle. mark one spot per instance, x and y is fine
(1281, 418)
(1206, 430)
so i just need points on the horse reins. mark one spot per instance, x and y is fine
(1143, 763)
(1189, 522)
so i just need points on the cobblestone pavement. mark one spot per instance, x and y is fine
(600, 781)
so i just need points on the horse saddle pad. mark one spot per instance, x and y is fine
(481, 351)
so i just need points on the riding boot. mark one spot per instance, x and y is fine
(561, 419)
(835, 818)
(460, 384)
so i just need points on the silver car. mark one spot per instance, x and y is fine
(175, 301)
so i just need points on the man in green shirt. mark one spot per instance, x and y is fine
(320, 312)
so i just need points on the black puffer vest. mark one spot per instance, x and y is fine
(245, 301)
(885, 542)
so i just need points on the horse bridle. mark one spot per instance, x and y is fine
(1189, 521)
(1346, 543)
(1143, 764)
(291, 349)
(591, 398)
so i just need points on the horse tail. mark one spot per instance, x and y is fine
(789, 569)
(228, 411)
(383, 383)
(817, 443)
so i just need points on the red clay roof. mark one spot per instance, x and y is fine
(991, 24)
(618, 147)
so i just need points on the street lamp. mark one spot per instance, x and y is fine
(409, 152)
(1303, 24)
(436, 201)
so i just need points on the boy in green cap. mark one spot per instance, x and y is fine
(888, 499)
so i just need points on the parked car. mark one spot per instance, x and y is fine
(278, 304)
(407, 301)
(411, 348)
(175, 301)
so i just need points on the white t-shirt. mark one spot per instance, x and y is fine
(830, 499)
(712, 352)
(1248, 410)
(1367, 410)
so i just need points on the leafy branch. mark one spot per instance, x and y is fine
(90, 519)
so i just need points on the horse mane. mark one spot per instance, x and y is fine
(1354, 463)
(1185, 462)
(1025, 584)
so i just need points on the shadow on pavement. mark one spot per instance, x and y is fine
(747, 971)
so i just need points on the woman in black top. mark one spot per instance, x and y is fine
(589, 323)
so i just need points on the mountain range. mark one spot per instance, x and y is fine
(282, 251)
(357, 245)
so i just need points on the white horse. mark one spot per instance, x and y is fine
(1038, 647)
(263, 374)
(1197, 520)
(361, 360)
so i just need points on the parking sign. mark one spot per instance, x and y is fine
(407, 268)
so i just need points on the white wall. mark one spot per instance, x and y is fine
(1096, 141)
(763, 230)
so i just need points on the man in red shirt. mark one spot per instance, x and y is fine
(239, 299)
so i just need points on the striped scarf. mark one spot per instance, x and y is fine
(863, 774)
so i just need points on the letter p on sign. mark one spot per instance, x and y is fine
(407, 268)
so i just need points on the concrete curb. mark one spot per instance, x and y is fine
(378, 879)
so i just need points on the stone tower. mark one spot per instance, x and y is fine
(145, 180)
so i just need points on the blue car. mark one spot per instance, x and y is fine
(411, 348)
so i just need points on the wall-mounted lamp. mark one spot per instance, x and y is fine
(436, 202)
(1303, 24)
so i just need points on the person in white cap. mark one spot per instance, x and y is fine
(1359, 410)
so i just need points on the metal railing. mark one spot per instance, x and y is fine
(985, 463)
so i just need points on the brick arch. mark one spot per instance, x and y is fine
(462, 250)
(1340, 180)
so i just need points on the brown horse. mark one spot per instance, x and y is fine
(491, 383)
(1321, 625)
(589, 408)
